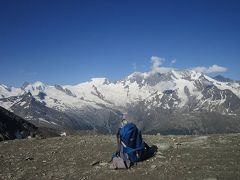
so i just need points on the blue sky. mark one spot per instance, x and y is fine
(71, 41)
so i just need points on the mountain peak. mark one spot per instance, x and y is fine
(5, 87)
(25, 84)
(222, 78)
(179, 95)
(38, 85)
(99, 81)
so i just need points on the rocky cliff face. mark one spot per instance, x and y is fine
(14, 127)
(178, 102)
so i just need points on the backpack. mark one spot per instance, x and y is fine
(132, 143)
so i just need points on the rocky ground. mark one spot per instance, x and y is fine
(72, 157)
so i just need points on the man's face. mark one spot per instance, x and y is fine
(124, 122)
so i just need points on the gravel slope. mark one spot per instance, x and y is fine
(178, 157)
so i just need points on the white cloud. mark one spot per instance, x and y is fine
(173, 61)
(156, 65)
(200, 69)
(156, 61)
(215, 68)
(211, 69)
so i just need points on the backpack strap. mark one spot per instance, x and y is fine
(124, 145)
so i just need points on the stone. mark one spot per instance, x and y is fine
(94, 163)
(160, 156)
(153, 166)
(29, 158)
(163, 146)
(103, 164)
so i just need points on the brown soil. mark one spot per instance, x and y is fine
(178, 157)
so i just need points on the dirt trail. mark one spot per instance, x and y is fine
(178, 157)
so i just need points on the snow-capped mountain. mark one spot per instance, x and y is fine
(182, 102)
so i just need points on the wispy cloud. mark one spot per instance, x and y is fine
(211, 69)
(156, 61)
(173, 61)
(156, 65)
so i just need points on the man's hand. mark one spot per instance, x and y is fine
(117, 153)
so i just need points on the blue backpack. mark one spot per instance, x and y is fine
(132, 143)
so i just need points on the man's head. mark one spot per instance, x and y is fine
(124, 120)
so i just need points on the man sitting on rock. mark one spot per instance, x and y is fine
(130, 146)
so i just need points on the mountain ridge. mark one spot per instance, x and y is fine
(151, 99)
